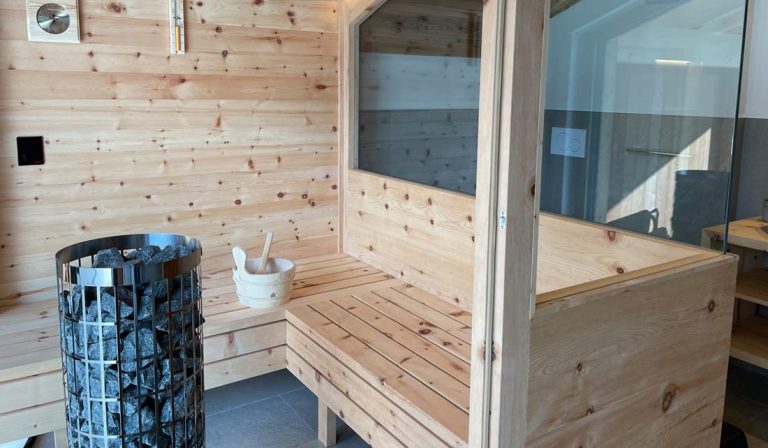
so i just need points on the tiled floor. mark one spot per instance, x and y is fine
(746, 404)
(277, 411)
(271, 411)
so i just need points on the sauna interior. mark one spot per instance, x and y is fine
(509, 219)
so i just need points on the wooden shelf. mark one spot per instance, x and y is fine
(750, 341)
(753, 287)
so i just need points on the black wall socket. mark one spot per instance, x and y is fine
(31, 150)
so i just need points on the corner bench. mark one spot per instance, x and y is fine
(240, 342)
(393, 363)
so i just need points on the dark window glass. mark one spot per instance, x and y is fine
(418, 85)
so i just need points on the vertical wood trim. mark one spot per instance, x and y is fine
(351, 14)
(509, 151)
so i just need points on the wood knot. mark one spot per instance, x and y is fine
(611, 235)
(425, 331)
(669, 395)
(118, 8)
(711, 306)
(579, 367)
(620, 270)
(590, 410)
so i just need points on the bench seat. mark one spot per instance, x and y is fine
(240, 342)
(393, 363)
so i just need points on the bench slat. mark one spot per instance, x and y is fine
(428, 314)
(362, 423)
(412, 396)
(448, 387)
(452, 311)
(456, 367)
(438, 336)
(402, 426)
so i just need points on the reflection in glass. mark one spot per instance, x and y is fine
(640, 112)
(418, 92)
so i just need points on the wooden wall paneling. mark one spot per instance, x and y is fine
(424, 236)
(235, 138)
(509, 152)
(641, 363)
(351, 14)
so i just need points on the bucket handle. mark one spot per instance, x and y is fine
(240, 256)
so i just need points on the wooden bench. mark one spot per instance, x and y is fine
(393, 363)
(240, 342)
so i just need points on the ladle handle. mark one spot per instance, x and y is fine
(240, 256)
(265, 255)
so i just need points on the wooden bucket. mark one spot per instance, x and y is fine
(270, 289)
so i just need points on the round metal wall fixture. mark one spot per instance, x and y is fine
(53, 18)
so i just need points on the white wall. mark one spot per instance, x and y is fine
(605, 56)
(757, 74)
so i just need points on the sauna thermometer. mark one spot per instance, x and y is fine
(176, 19)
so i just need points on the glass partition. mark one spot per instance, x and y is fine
(418, 92)
(641, 102)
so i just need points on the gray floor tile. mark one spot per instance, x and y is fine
(352, 442)
(304, 403)
(242, 393)
(270, 423)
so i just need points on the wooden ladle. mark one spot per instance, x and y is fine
(265, 254)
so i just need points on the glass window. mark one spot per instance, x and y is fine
(641, 103)
(418, 92)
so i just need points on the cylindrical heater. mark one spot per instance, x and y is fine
(131, 338)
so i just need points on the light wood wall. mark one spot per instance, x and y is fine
(420, 234)
(426, 237)
(233, 139)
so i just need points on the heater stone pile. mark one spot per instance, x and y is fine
(133, 357)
